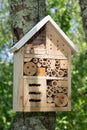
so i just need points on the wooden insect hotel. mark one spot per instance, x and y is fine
(42, 69)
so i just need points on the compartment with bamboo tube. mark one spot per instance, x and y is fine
(46, 67)
(57, 92)
(42, 74)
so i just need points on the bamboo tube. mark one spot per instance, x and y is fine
(59, 89)
(48, 73)
(53, 73)
(49, 92)
(56, 68)
(66, 72)
(54, 83)
(48, 86)
(35, 60)
(60, 73)
(49, 99)
(49, 83)
(48, 62)
(44, 63)
(40, 60)
(38, 64)
(65, 90)
(54, 91)
(48, 69)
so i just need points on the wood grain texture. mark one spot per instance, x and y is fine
(18, 82)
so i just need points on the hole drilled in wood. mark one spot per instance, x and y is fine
(34, 100)
(35, 93)
(50, 35)
(51, 39)
(34, 85)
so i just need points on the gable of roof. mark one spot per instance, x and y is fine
(36, 28)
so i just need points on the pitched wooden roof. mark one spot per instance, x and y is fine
(36, 28)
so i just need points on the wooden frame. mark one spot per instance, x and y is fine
(42, 69)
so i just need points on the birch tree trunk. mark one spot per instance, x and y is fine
(83, 6)
(24, 15)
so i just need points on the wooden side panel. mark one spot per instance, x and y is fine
(69, 80)
(18, 81)
(34, 94)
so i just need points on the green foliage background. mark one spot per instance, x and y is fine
(67, 14)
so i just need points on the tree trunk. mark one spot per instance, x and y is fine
(24, 15)
(83, 6)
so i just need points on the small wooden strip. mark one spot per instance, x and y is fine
(34, 96)
(39, 51)
(46, 56)
(50, 105)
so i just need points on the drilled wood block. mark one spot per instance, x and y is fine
(63, 64)
(29, 68)
(62, 83)
(61, 100)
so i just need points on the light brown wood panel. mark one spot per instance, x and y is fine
(18, 82)
(36, 85)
